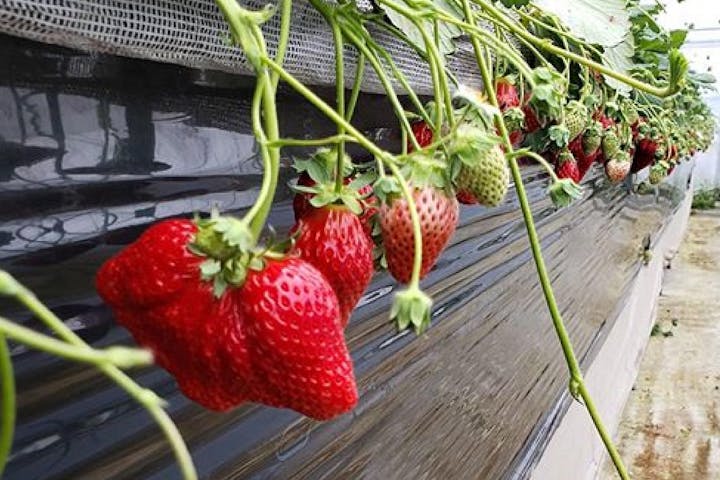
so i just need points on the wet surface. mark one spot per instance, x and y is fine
(670, 428)
(93, 149)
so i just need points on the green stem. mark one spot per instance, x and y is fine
(122, 357)
(285, 21)
(311, 97)
(255, 216)
(147, 398)
(357, 83)
(472, 30)
(339, 101)
(544, 163)
(310, 142)
(570, 358)
(361, 46)
(7, 387)
(266, 128)
(549, 47)
(576, 377)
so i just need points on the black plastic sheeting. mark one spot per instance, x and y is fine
(93, 149)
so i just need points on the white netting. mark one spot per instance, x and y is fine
(193, 33)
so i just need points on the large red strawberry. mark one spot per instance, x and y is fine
(230, 345)
(438, 214)
(566, 166)
(645, 154)
(154, 289)
(332, 239)
(295, 340)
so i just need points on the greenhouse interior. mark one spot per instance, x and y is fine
(372, 239)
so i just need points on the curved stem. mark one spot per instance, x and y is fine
(309, 142)
(285, 21)
(311, 97)
(7, 388)
(549, 47)
(123, 357)
(357, 83)
(147, 398)
(544, 163)
(562, 334)
(267, 128)
(254, 216)
(570, 358)
(359, 44)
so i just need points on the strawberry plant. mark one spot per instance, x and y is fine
(236, 318)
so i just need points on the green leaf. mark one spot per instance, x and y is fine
(219, 286)
(619, 58)
(447, 32)
(514, 3)
(677, 38)
(605, 23)
(209, 268)
(560, 135)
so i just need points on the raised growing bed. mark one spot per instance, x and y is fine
(95, 148)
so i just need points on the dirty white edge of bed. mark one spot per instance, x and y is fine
(575, 451)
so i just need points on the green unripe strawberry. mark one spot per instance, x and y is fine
(610, 144)
(487, 178)
(592, 139)
(576, 117)
(658, 172)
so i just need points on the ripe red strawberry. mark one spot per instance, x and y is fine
(438, 218)
(645, 151)
(302, 206)
(295, 340)
(532, 123)
(154, 290)
(332, 239)
(618, 167)
(243, 345)
(566, 166)
(423, 134)
(583, 161)
(506, 94)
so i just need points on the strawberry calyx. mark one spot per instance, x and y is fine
(229, 248)
(563, 191)
(411, 307)
(469, 144)
(317, 185)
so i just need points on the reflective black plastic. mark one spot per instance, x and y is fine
(93, 149)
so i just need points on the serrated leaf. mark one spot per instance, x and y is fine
(605, 23)
(619, 58)
(447, 32)
(219, 286)
(209, 268)
(363, 180)
(677, 38)
(235, 232)
(353, 204)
